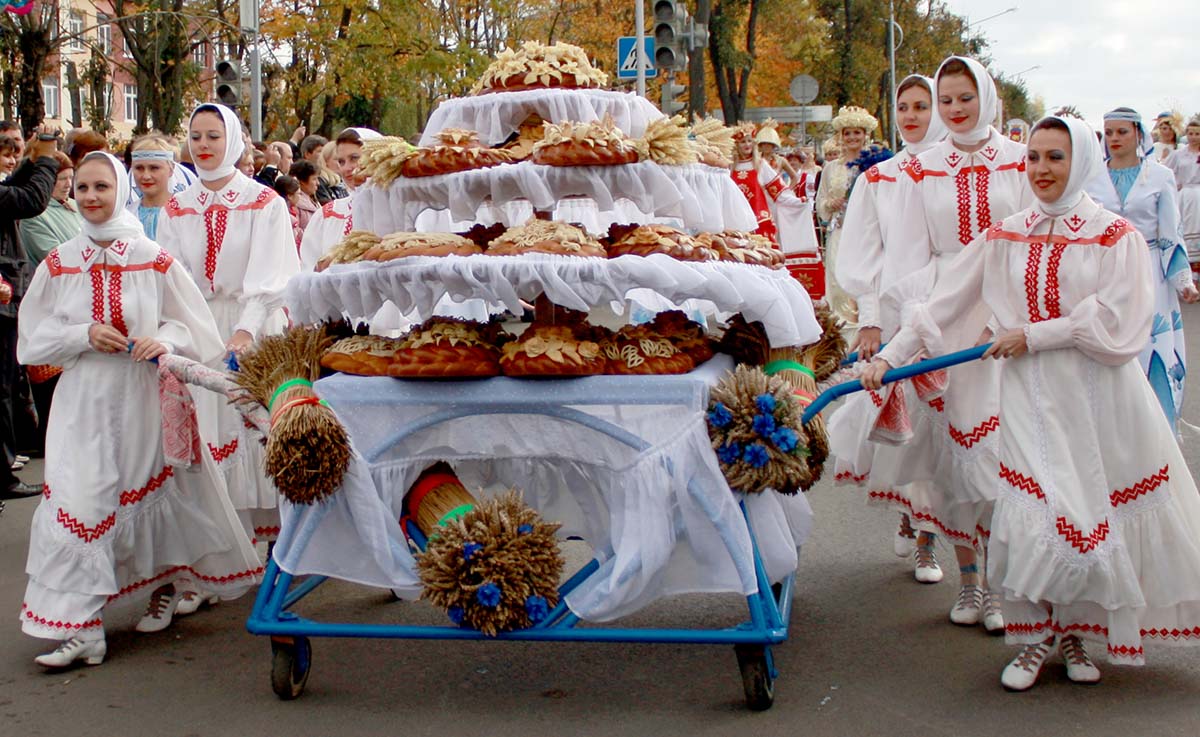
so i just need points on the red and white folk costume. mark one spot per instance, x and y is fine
(1096, 530)
(115, 518)
(758, 182)
(237, 243)
(875, 446)
(327, 227)
(954, 197)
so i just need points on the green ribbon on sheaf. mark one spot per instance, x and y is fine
(775, 367)
(455, 513)
(285, 386)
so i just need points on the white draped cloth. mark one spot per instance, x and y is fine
(498, 115)
(660, 516)
(237, 244)
(115, 518)
(1097, 517)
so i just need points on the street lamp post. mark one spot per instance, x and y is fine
(1006, 11)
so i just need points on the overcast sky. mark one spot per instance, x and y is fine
(1097, 54)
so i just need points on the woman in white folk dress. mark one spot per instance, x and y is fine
(1096, 531)
(1143, 192)
(1185, 162)
(870, 261)
(115, 516)
(235, 238)
(335, 219)
(960, 187)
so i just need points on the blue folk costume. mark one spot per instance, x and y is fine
(1145, 195)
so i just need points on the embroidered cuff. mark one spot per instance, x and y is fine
(1048, 335)
(868, 311)
(76, 339)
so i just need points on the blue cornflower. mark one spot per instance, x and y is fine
(765, 403)
(456, 614)
(756, 455)
(524, 529)
(469, 550)
(729, 453)
(536, 608)
(785, 439)
(764, 425)
(488, 595)
(719, 416)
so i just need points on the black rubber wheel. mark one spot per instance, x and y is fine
(758, 676)
(290, 664)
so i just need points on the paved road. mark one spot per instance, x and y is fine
(871, 653)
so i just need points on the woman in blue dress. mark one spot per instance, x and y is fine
(1143, 192)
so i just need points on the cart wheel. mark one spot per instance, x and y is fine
(291, 659)
(758, 675)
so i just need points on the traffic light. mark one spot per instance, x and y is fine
(229, 82)
(670, 35)
(670, 97)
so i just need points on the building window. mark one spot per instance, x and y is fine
(51, 97)
(103, 34)
(131, 103)
(75, 31)
(200, 54)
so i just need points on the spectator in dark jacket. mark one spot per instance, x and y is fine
(24, 195)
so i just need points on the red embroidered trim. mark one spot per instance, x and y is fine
(82, 531)
(1052, 293)
(264, 197)
(1076, 538)
(912, 167)
(891, 496)
(54, 263)
(215, 220)
(349, 225)
(1174, 634)
(27, 613)
(220, 454)
(97, 297)
(983, 208)
(162, 262)
(1145, 486)
(114, 303)
(188, 569)
(874, 176)
(1029, 628)
(938, 403)
(850, 476)
(966, 440)
(963, 197)
(329, 211)
(1108, 238)
(1032, 266)
(1022, 482)
(265, 531)
(876, 399)
(133, 496)
(1127, 652)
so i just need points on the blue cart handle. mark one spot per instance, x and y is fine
(852, 357)
(893, 375)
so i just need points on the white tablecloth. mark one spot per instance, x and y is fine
(496, 116)
(418, 283)
(660, 517)
(704, 197)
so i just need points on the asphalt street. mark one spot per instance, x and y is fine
(871, 652)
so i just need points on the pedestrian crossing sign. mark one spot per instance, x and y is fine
(627, 59)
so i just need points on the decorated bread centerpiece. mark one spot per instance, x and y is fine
(584, 144)
(447, 347)
(536, 66)
(686, 334)
(352, 248)
(458, 150)
(545, 236)
(383, 158)
(361, 355)
(646, 240)
(744, 248)
(554, 349)
(640, 349)
(403, 244)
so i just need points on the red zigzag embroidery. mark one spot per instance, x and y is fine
(1145, 486)
(1022, 482)
(1076, 538)
(966, 440)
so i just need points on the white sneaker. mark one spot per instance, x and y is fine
(968, 606)
(1080, 667)
(925, 565)
(904, 544)
(993, 614)
(91, 652)
(1022, 672)
(159, 612)
(191, 601)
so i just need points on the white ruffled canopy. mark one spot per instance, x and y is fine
(498, 115)
(418, 283)
(704, 197)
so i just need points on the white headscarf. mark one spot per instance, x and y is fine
(233, 142)
(367, 134)
(1128, 115)
(937, 129)
(989, 102)
(121, 223)
(1086, 163)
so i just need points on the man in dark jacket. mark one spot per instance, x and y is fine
(25, 195)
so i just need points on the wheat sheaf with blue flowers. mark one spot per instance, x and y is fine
(495, 568)
(754, 424)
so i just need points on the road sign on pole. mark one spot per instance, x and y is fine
(627, 59)
(793, 114)
(803, 89)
